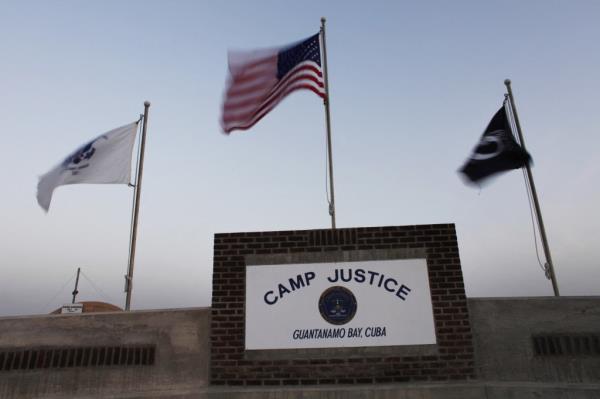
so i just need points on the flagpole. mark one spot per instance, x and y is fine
(136, 210)
(75, 291)
(536, 203)
(328, 121)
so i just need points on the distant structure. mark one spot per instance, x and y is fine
(93, 307)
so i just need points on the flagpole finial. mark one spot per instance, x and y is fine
(323, 20)
(146, 103)
(507, 82)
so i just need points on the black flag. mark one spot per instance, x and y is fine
(497, 151)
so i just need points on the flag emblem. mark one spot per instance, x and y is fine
(497, 151)
(259, 80)
(74, 162)
(103, 160)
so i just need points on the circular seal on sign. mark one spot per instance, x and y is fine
(337, 305)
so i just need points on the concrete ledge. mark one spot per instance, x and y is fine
(354, 352)
(472, 390)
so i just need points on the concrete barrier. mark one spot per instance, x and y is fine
(180, 338)
(507, 361)
(504, 331)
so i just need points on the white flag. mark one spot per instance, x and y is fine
(105, 159)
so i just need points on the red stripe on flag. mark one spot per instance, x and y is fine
(265, 60)
(262, 89)
(245, 125)
(280, 90)
(246, 103)
(235, 88)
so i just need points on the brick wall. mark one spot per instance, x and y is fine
(451, 359)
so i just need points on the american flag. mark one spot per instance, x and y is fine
(259, 80)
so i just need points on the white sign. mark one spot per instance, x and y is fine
(72, 308)
(343, 304)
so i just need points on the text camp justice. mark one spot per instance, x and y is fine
(358, 275)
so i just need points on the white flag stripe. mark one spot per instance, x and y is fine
(299, 70)
(242, 113)
(104, 160)
(268, 65)
(247, 124)
(240, 60)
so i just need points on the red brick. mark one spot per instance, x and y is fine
(230, 366)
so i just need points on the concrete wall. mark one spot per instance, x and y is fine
(180, 336)
(503, 330)
(505, 360)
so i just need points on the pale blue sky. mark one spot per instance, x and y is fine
(412, 87)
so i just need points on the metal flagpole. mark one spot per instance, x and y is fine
(136, 210)
(328, 121)
(536, 203)
(75, 291)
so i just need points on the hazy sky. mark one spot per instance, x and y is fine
(413, 85)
